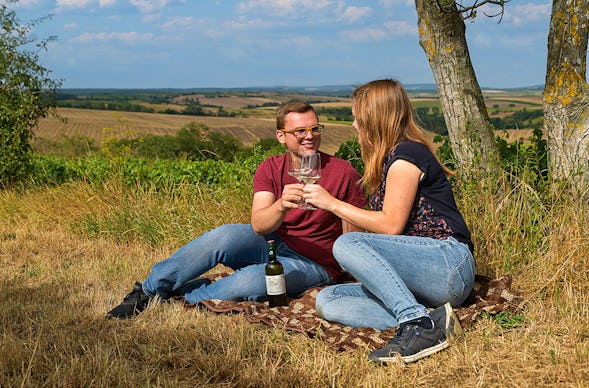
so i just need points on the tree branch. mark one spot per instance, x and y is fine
(470, 11)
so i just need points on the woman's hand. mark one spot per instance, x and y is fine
(319, 197)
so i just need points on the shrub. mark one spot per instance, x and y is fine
(27, 93)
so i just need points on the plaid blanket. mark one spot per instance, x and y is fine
(488, 296)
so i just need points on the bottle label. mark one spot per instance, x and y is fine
(275, 284)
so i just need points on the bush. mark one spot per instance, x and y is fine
(350, 151)
(27, 93)
(522, 160)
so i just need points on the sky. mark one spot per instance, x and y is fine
(255, 43)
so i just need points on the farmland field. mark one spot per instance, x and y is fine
(96, 124)
(91, 123)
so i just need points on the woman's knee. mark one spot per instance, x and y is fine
(342, 248)
(323, 303)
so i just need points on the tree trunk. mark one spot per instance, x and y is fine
(566, 94)
(442, 37)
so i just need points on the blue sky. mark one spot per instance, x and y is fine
(248, 43)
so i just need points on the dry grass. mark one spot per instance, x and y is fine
(58, 279)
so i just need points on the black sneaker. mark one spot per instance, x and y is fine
(134, 303)
(412, 342)
(447, 320)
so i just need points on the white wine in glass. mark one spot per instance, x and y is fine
(295, 172)
(310, 171)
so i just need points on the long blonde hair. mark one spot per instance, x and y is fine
(384, 118)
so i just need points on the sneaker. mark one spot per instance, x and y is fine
(135, 302)
(412, 342)
(447, 320)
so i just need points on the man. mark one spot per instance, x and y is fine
(304, 238)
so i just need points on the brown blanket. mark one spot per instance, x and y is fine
(489, 295)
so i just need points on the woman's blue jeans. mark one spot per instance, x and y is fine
(239, 248)
(399, 278)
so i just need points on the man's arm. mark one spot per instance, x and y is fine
(268, 212)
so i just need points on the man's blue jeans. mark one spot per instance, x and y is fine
(239, 248)
(400, 276)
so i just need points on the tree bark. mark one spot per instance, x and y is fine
(442, 37)
(566, 94)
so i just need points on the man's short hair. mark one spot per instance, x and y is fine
(289, 107)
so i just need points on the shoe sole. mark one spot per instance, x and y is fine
(417, 356)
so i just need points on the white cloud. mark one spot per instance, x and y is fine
(73, 3)
(24, 4)
(353, 14)
(401, 28)
(524, 13)
(283, 7)
(364, 34)
(391, 3)
(149, 6)
(179, 23)
(389, 29)
(518, 14)
(83, 3)
(130, 38)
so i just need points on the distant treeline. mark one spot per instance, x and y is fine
(133, 103)
(122, 106)
(522, 118)
(432, 119)
(429, 118)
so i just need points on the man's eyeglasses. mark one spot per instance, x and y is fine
(302, 132)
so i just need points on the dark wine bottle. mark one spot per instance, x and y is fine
(275, 280)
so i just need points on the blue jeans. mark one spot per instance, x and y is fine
(239, 248)
(400, 277)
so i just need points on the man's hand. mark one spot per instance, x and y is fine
(292, 194)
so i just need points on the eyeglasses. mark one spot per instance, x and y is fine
(302, 132)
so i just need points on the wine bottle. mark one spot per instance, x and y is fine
(275, 280)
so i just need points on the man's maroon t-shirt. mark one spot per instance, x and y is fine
(312, 233)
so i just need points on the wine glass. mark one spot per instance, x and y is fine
(295, 172)
(310, 171)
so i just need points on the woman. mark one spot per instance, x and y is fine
(417, 252)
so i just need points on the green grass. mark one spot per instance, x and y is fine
(70, 252)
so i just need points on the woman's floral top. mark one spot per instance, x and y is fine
(434, 213)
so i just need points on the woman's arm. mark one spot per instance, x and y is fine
(401, 189)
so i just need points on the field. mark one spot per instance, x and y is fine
(92, 123)
(259, 123)
(71, 252)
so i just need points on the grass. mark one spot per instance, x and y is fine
(70, 253)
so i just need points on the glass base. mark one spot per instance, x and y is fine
(306, 206)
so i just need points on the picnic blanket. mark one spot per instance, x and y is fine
(488, 296)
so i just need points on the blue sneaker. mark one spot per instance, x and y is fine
(412, 341)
